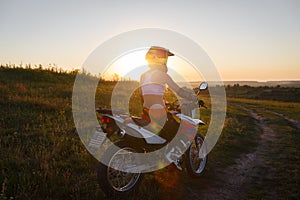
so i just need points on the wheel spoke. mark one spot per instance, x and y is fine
(197, 163)
(121, 180)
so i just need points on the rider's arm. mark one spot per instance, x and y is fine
(165, 78)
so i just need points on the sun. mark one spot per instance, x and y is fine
(129, 65)
(132, 65)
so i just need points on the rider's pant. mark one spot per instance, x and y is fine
(157, 117)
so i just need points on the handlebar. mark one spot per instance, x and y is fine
(201, 103)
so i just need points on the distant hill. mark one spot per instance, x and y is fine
(254, 83)
(288, 91)
(267, 83)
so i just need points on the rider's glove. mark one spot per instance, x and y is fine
(201, 103)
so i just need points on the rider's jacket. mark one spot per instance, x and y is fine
(153, 83)
(150, 86)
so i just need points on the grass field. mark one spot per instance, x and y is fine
(278, 163)
(42, 157)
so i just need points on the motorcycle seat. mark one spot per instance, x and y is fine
(140, 121)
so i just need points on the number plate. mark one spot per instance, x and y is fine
(97, 139)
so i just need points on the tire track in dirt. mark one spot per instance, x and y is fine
(234, 181)
(293, 122)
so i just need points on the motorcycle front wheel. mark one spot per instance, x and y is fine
(118, 183)
(196, 157)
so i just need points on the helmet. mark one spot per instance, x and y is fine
(156, 53)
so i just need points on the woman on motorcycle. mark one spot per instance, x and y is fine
(153, 83)
(122, 177)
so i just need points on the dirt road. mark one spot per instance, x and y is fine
(235, 181)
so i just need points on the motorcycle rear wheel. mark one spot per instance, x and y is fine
(115, 183)
(196, 164)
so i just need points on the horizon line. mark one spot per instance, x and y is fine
(21, 65)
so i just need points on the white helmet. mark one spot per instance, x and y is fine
(156, 52)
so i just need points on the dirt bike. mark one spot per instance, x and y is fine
(118, 174)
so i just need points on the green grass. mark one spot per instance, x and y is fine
(41, 155)
(239, 136)
(288, 109)
(43, 158)
(280, 173)
(286, 94)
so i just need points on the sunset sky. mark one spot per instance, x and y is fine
(247, 40)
